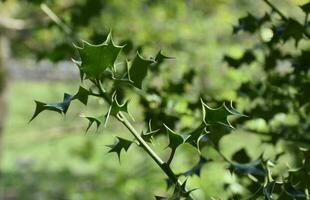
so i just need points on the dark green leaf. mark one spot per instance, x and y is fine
(218, 115)
(148, 135)
(82, 95)
(95, 59)
(290, 190)
(254, 168)
(193, 136)
(160, 198)
(159, 59)
(247, 58)
(175, 140)
(306, 7)
(118, 145)
(250, 23)
(241, 156)
(267, 190)
(179, 191)
(92, 120)
(117, 107)
(138, 70)
(61, 107)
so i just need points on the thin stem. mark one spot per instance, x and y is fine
(171, 156)
(142, 143)
(56, 19)
(164, 166)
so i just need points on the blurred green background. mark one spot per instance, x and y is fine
(52, 157)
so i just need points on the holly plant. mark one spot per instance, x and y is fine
(109, 74)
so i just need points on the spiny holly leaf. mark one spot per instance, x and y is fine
(267, 190)
(292, 191)
(218, 115)
(148, 135)
(175, 140)
(118, 145)
(306, 8)
(91, 121)
(82, 95)
(95, 59)
(247, 58)
(194, 135)
(254, 168)
(215, 133)
(159, 59)
(61, 107)
(250, 23)
(179, 191)
(197, 168)
(292, 29)
(138, 70)
(117, 107)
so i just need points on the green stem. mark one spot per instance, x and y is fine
(171, 156)
(163, 165)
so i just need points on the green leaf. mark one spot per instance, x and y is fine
(267, 190)
(175, 140)
(138, 70)
(118, 145)
(61, 107)
(195, 170)
(95, 59)
(247, 58)
(194, 135)
(159, 59)
(250, 23)
(254, 168)
(148, 135)
(241, 156)
(82, 95)
(306, 8)
(179, 191)
(292, 191)
(160, 198)
(117, 107)
(92, 120)
(219, 115)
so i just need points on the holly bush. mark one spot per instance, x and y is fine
(274, 104)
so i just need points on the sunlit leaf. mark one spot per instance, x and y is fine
(95, 59)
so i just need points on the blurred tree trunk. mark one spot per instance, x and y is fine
(4, 55)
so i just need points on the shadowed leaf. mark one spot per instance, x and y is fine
(118, 145)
